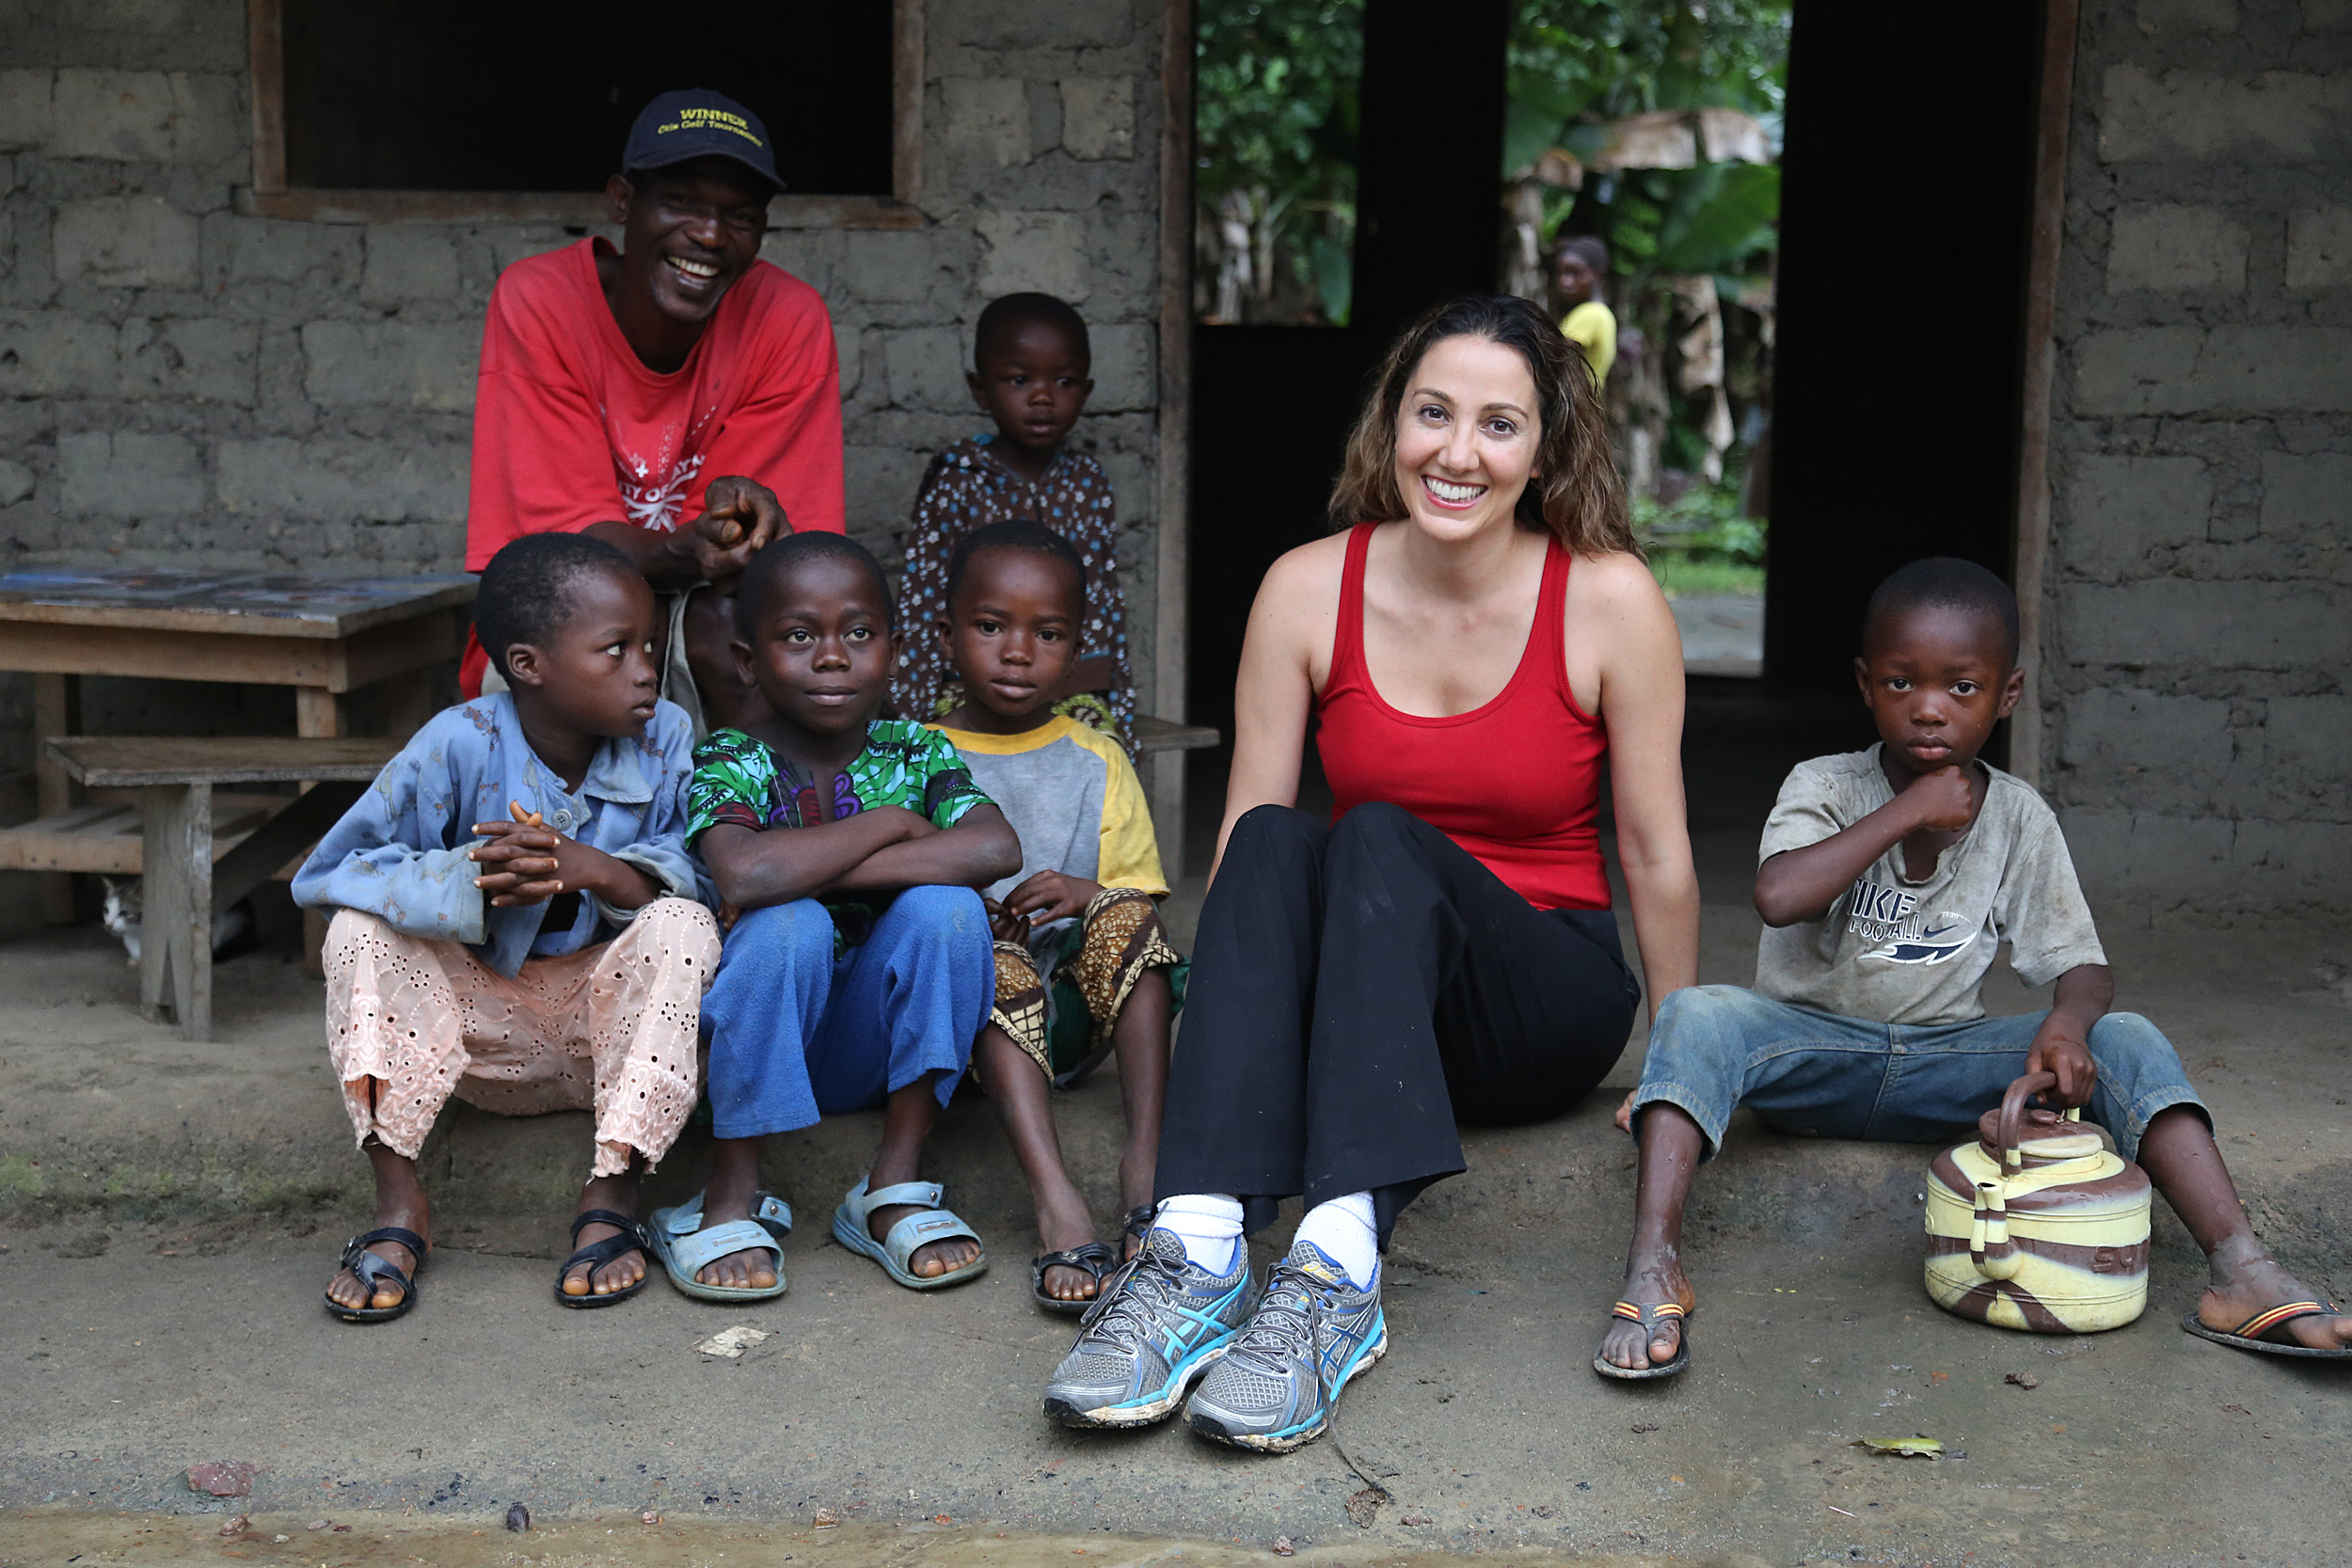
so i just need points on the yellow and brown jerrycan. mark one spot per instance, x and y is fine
(2039, 1224)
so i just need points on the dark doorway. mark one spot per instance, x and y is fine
(1906, 211)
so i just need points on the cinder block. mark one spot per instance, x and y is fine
(1045, 251)
(24, 109)
(987, 116)
(2159, 16)
(2116, 510)
(144, 116)
(845, 350)
(2319, 249)
(2307, 743)
(1125, 373)
(202, 359)
(2206, 625)
(49, 354)
(2175, 248)
(1035, 24)
(880, 484)
(2327, 16)
(390, 364)
(2274, 117)
(2222, 865)
(345, 481)
(2235, 370)
(127, 474)
(925, 367)
(133, 242)
(16, 483)
(1098, 117)
(2117, 730)
(889, 268)
(406, 264)
(2307, 497)
(268, 250)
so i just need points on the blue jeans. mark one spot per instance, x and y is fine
(1716, 1048)
(797, 1034)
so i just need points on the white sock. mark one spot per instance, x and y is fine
(1342, 1228)
(1209, 1225)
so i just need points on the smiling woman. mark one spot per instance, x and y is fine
(1473, 647)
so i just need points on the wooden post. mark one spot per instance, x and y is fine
(1165, 780)
(176, 923)
(318, 712)
(56, 710)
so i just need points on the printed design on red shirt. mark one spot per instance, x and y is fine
(653, 489)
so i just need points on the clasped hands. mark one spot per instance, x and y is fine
(531, 862)
(1048, 897)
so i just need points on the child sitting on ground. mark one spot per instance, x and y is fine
(1083, 964)
(1888, 879)
(1031, 361)
(518, 920)
(858, 971)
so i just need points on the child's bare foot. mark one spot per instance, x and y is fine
(1062, 1225)
(619, 1194)
(1627, 1343)
(402, 1206)
(729, 1196)
(2246, 1285)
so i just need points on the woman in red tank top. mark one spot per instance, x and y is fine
(1474, 647)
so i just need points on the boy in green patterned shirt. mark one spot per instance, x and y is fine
(858, 970)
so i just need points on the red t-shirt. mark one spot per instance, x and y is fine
(571, 429)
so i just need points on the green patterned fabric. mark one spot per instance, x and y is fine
(740, 781)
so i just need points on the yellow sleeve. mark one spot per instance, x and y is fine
(1131, 851)
(1593, 328)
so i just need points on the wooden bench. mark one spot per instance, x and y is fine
(190, 876)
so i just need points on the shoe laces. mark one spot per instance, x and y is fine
(1123, 1313)
(1285, 1321)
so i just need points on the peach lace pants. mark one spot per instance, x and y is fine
(609, 1029)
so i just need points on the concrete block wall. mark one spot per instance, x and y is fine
(181, 382)
(2199, 594)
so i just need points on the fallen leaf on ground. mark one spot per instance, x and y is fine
(824, 1519)
(1939, 1377)
(1902, 1448)
(235, 1526)
(2022, 1379)
(2237, 1408)
(221, 1477)
(942, 1519)
(1282, 1547)
(732, 1342)
(1363, 1505)
(318, 1524)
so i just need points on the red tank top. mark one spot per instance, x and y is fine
(1515, 783)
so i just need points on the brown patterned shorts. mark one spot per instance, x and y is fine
(1089, 968)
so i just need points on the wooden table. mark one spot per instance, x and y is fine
(323, 636)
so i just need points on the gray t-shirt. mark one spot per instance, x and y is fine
(1895, 951)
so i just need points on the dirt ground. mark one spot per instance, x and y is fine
(169, 1214)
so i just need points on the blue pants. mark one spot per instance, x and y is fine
(1715, 1048)
(797, 1034)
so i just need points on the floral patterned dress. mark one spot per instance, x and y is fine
(965, 488)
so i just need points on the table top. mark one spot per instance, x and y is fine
(252, 604)
(124, 761)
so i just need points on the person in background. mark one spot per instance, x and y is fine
(518, 922)
(1083, 964)
(1031, 374)
(678, 397)
(1579, 263)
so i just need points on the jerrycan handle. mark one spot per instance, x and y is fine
(2013, 1111)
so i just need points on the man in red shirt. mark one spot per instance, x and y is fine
(678, 397)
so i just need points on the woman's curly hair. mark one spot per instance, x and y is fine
(1575, 493)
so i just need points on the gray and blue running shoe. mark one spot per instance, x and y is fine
(1159, 1323)
(1276, 1383)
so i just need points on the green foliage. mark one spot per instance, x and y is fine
(1720, 215)
(1704, 525)
(1611, 59)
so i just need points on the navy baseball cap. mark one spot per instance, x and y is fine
(699, 123)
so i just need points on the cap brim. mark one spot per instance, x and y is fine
(688, 156)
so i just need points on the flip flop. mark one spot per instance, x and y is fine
(1095, 1257)
(633, 1238)
(851, 1227)
(371, 1267)
(2255, 1333)
(1649, 1317)
(685, 1245)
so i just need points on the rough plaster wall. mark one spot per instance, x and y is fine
(2199, 623)
(179, 382)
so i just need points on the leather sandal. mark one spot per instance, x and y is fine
(372, 1268)
(1093, 1257)
(1649, 1317)
(633, 1238)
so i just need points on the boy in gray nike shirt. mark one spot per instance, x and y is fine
(1887, 880)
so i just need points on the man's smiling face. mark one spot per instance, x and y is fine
(689, 233)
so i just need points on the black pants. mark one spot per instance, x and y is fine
(1356, 991)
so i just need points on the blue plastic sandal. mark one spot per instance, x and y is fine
(685, 1246)
(852, 1228)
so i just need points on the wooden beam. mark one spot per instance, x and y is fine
(57, 711)
(2028, 735)
(906, 101)
(580, 209)
(1173, 501)
(265, 44)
